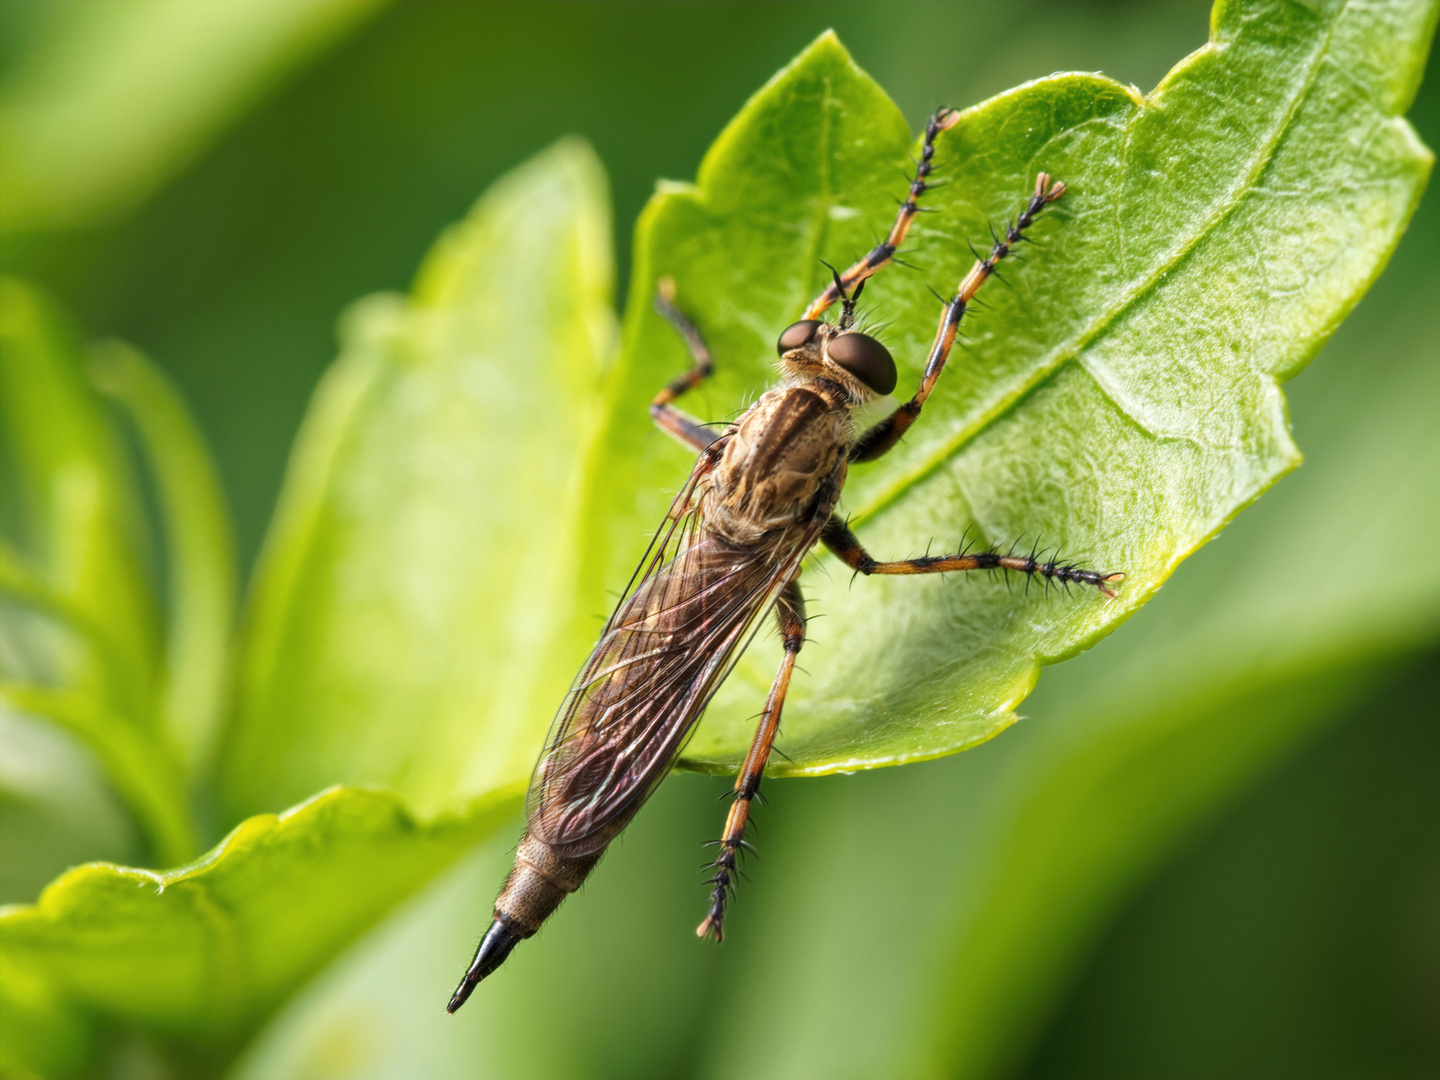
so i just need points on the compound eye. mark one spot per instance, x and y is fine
(866, 359)
(797, 334)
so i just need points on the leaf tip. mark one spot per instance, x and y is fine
(827, 48)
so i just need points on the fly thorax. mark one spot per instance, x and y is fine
(782, 453)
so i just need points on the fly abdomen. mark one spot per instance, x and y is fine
(537, 884)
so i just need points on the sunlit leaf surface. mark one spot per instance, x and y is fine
(1119, 402)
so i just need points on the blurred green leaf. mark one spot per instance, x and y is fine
(56, 808)
(88, 664)
(1119, 402)
(81, 516)
(402, 627)
(410, 573)
(44, 1035)
(137, 761)
(117, 97)
(200, 548)
(201, 953)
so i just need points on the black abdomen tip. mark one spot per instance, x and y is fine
(494, 947)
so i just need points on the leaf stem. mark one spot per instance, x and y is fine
(200, 547)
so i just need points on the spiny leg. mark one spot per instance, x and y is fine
(839, 539)
(884, 252)
(880, 438)
(790, 612)
(686, 428)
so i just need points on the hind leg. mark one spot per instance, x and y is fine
(790, 612)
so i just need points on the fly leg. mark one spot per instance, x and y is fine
(839, 539)
(790, 612)
(671, 420)
(884, 252)
(880, 438)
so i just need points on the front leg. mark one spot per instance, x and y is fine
(839, 539)
(879, 439)
(884, 252)
(671, 420)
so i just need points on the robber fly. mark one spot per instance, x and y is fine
(762, 493)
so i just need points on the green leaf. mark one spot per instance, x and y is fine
(89, 665)
(401, 630)
(402, 602)
(1126, 751)
(1257, 644)
(202, 953)
(56, 808)
(925, 918)
(1120, 401)
(137, 762)
(115, 98)
(82, 523)
(44, 1035)
(934, 912)
(200, 549)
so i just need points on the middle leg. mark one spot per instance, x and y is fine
(884, 252)
(839, 539)
(790, 612)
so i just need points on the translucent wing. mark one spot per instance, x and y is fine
(691, 608)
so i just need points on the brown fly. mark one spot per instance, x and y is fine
(762, 493)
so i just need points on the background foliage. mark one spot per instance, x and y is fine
(230, 274)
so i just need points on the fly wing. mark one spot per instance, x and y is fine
(690, 610)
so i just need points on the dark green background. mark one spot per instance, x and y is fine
(1295, 937)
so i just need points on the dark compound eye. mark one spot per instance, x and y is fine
(797, 334)
(866, 359)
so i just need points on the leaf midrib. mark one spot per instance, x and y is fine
(1068, 351)
(826, 194)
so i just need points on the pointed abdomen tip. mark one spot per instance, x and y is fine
(494, 947)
